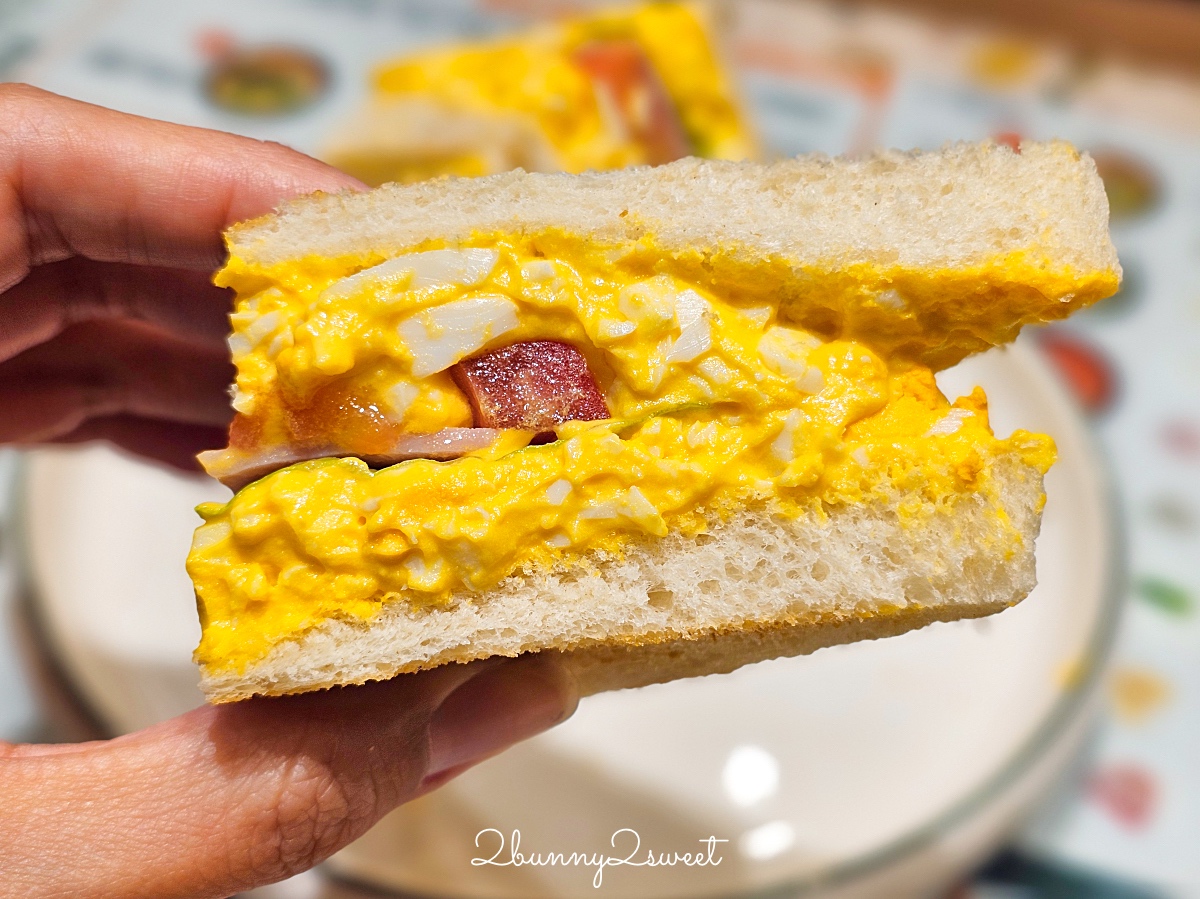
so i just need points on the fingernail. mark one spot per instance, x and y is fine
(498, 707)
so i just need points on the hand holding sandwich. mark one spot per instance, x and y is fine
(110, 226)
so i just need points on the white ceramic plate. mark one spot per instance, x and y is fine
(881, 768)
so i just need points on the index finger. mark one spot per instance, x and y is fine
(81, 180)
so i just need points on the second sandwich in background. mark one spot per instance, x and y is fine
(643, 85)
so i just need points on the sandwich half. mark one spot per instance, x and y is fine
(614, 88)
(662, 421)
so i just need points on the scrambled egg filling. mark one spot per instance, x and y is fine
(718, 401)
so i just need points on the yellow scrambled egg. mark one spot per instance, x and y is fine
(719, 400)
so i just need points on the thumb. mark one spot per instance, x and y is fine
(231, 797)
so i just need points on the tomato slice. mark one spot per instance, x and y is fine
(339, 417)
(620, 71)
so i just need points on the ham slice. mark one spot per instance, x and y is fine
(533, 386)
(235, 469)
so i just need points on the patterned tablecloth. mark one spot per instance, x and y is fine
(834, 79)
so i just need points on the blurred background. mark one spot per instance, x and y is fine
(1053, 751)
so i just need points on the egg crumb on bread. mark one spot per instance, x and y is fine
(663, 421)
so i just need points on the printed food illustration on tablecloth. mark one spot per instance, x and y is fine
(261, 79)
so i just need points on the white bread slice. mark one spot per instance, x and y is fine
(965, 212)
(755, 587)
(948, 209)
